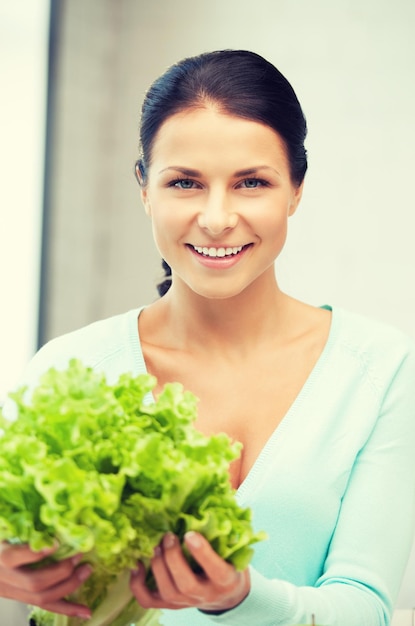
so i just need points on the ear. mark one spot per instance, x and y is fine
(296, 198)
(145, 200)
(143, 188)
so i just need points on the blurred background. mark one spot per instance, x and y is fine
(75, 243)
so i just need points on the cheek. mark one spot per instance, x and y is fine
(166, 231)
(166, 221)
(170, 217)
(275, 220)
(279, 239)
(159, 232)
(273, 231)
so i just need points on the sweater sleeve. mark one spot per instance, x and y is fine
(371, 542)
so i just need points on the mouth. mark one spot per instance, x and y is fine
(220, 252)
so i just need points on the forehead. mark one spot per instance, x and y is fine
(200, 132)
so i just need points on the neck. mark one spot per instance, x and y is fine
(230, 323)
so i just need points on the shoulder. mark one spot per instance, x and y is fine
(367, 335)
(97, 345)
(379, 349)
(110, 346)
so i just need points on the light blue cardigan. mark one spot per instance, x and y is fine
(334, 487)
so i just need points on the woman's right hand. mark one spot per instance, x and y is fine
(45, 587)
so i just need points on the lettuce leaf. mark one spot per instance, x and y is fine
(101, 470)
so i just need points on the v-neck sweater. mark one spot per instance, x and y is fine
(333, 487)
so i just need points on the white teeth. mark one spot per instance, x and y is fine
(218, 252)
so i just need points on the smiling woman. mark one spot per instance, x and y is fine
(258, 92)
(322, 400)
(221, 204)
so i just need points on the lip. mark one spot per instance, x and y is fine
(219, 262)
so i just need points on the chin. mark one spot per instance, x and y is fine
(218, 294)
(217, 289)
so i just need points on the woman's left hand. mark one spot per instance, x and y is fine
(219, 588)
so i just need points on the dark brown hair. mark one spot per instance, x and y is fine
(240, 83)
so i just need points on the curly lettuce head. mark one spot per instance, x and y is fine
(102, 471)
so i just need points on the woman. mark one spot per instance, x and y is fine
(322, 400)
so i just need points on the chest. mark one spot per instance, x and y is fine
(247, 401)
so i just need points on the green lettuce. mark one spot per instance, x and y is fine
(101, 469)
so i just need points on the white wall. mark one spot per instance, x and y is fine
(23, 67)
(351, 242)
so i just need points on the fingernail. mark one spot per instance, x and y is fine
(157, 551)
(193, 539)
(83, 572)
(169, 540)
(84, 614)
(76, 559)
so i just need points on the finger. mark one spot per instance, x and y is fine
(68, 608)
(65, 587)
(32, 593)
(164, 574)
(215, 568)
(145, 597)
(174, 574)
(12, 556)
(42, 578)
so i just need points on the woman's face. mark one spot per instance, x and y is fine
(219, 194)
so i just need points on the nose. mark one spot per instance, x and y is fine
(217, 214)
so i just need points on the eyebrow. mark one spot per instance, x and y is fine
(183, 170)
(195, 173)
(255, 170)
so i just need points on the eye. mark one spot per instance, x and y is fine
(183, 183)
(253, 183)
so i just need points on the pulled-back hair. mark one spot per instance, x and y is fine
(239, 83)
(236, 82)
